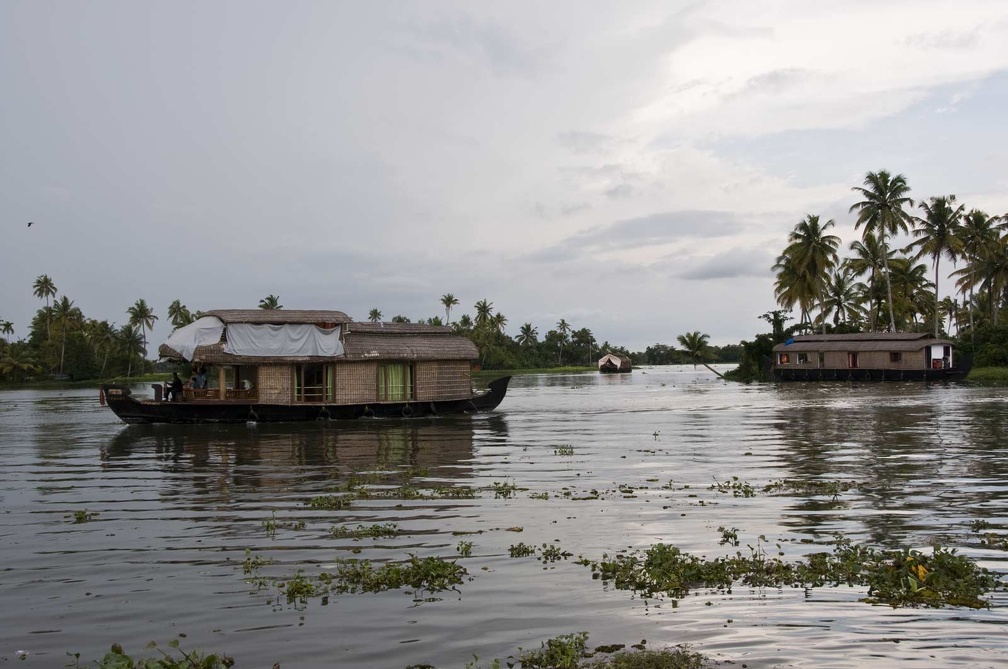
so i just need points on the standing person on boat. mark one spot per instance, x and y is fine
(175, 388)
(202, 378)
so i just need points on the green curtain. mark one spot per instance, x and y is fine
(395, 382)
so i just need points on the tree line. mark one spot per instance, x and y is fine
(63, 343)
(885, 286)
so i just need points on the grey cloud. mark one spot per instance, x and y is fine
(506, 52)
(731, 264)
(621, 191)
(945, 39)
(645, 231)
(584, 142)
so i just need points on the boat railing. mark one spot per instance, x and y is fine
(241, 394)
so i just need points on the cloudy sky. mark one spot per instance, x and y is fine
(631, 167)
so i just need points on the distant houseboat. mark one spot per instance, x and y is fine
(612, 363)
(868, 356)
(288, 365)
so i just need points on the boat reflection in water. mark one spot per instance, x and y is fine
(302, 457)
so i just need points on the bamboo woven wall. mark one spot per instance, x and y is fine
(356, 382)
(443, 380)
(275, 384)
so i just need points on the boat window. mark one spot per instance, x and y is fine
(395, 382)
(822, 359)
(782, 359)
(895, 356)
(852, 360)
(309, 382)
(803, 358)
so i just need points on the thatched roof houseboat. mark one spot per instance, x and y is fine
(613, 363)
(290, 365)
(867, 356)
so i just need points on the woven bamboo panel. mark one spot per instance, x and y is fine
(275, 384)
(443, 380)
(356, 382)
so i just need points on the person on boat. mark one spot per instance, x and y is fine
(175, 388)
(202, 378)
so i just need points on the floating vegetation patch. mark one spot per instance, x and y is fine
(116, 658)
(736, 487)
(504, 489)
(83, 516)
(812, 488)
(728, 536)
(539, 495)
(570, 651)
(428, 574)
(464, 548)
(897, 578)
(330, 502)
(520, 550)
(547, 553)
(366, 531)
(567, 449)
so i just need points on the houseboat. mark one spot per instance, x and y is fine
(287, 365)
(611, 363)
(867, 356)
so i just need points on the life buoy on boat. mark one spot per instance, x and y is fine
(368, 413)
(407, 411)
(324, 414)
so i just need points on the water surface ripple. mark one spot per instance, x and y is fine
(623, 462)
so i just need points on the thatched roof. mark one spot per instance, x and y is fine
(862, 342)
(280, 316)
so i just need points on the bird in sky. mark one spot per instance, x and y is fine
(30, 223)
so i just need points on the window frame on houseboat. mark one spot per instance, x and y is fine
(783, 359)
(803, 358)
(395, 382)
(852, 360)
(321, 382)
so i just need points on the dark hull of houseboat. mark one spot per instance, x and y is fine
(134, 411)
(957, 373)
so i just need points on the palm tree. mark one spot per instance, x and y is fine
(103, 335)
(527, 335)
(937, 234)
(949, 309)
(881, 213)
(270, 302)
(804, 266)
(498, 321)
(179, 314)
(564, 328)
(132, 343)
(67, 316)
(17, 362)
(44, 288)
(978, 234)
(7, 328)
(843, 296)
(375, 315)
(449, 301)
(142, 315)
(694, 343)
(484, 312)
(869, 258)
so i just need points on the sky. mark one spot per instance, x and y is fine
(631, 167)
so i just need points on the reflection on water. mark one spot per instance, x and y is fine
(602, 464)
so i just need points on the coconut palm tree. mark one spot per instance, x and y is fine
(270, 302)
(132, 344)
(103, 336)
(375, 315)
(805, 265)
(564, 328)
(18, 362)
(843, 296)
(7, 328)
(179, 314)
(979, 234)
(68, 317)
(870, 259)
(694, 343)
(498, 321)
(44, 288)
(484, 312)
(141, 314)
(527, 335)
(881, 213)
(449, 301)
(937, 234)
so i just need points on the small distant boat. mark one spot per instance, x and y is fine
(868, 356)
(611, 363)
(289, 365)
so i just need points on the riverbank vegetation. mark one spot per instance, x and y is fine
(883, 284)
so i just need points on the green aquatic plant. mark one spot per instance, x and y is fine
(83, 516)
(812, 487)
(567, 449)
(330, 502)
(116, 658)
(521, 550)
(735, 486)
(464, 548)
(503, 489)
(366, 531)
(562, 652)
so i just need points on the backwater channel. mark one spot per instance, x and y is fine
(129, 534)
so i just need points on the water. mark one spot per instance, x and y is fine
(178, 506)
